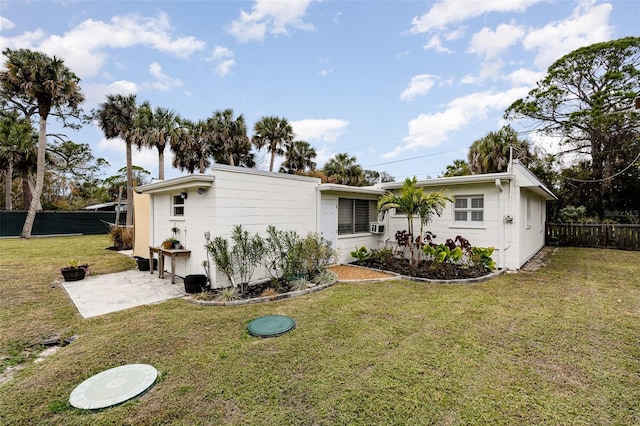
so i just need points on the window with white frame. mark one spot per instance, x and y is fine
(354, 216)
(468, 210)
(177, 205)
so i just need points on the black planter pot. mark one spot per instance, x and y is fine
(195, 283)
(73, 274)
(144, 264)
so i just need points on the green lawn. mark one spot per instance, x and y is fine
(557, 346)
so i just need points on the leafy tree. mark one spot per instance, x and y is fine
(491, 153)
(192, 150)
(299, 157)
(586, 100)
(72, 167)
(411, 202)
(157, 128)
(275, 134)
(140, 176)
(38, 84)
(371, 177)
(116, 117)
(343, 169)
(231, 145)
(458, 168)
(18, 140)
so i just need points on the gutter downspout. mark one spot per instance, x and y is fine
(501, 224)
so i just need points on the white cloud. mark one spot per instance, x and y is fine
(83, 48)
(434, 43)
(223, 58)
(326, 130)
(524, 77)
(490, 44)
(588, 24)
(325, 72)
(418, 86)
(96, 93)
(276, 17)
(431, 130)
(448, 12)
(163, 82)
(6, 24)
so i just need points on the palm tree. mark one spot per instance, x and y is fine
(273, 132)
(299, 156)
(17, 141)
(343, 169)
(157, 128)
(230, 138)
(40, 84)
(192, 149)
(412, 202)
(457, 168)
(116, 117)
(491, 153)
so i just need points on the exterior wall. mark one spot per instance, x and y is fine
(250, 198)
(141, 227)
(444, 226)
(531, 226)
(345, 244)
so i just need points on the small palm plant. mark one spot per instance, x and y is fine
(413, 201)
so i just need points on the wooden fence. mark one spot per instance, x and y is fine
(618, 236)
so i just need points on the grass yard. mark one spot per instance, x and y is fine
(557, 346)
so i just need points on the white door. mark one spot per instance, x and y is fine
(329, 221)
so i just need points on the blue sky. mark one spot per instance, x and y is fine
(404, 86)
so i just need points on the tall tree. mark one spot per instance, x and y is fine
(272, 132)
(39, 84)
(344, 169)
(116, 117)
(193, 149)
(298, 158)
(491, 153)
(457, 168)
(157, 129)
(18, 140)
(231, 145)
(372, 177)
(586, 100)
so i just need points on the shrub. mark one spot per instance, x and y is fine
(443, 253)
(122, 237)
(300, 284)
(315, 254)
(382, 255)
(360, 253)
(241, 260)
(482, 256)
(281, 253)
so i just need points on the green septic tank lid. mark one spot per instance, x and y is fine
(113, 386)
(271, 325)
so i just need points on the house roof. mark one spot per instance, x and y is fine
(529, 181)
(177, 184)
(334, 187)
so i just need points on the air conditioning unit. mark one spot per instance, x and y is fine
(377, 228)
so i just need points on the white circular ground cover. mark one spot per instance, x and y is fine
(113, 386)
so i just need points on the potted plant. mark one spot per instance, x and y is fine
(74, 272)
(170, 243)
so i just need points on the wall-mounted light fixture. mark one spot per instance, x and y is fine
(201, 191)
(183, 195)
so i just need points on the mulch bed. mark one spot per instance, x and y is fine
(427, 269)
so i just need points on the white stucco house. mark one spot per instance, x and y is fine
(503, 210)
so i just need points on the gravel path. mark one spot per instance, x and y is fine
(349, 273)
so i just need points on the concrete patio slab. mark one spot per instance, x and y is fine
(103, 294)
